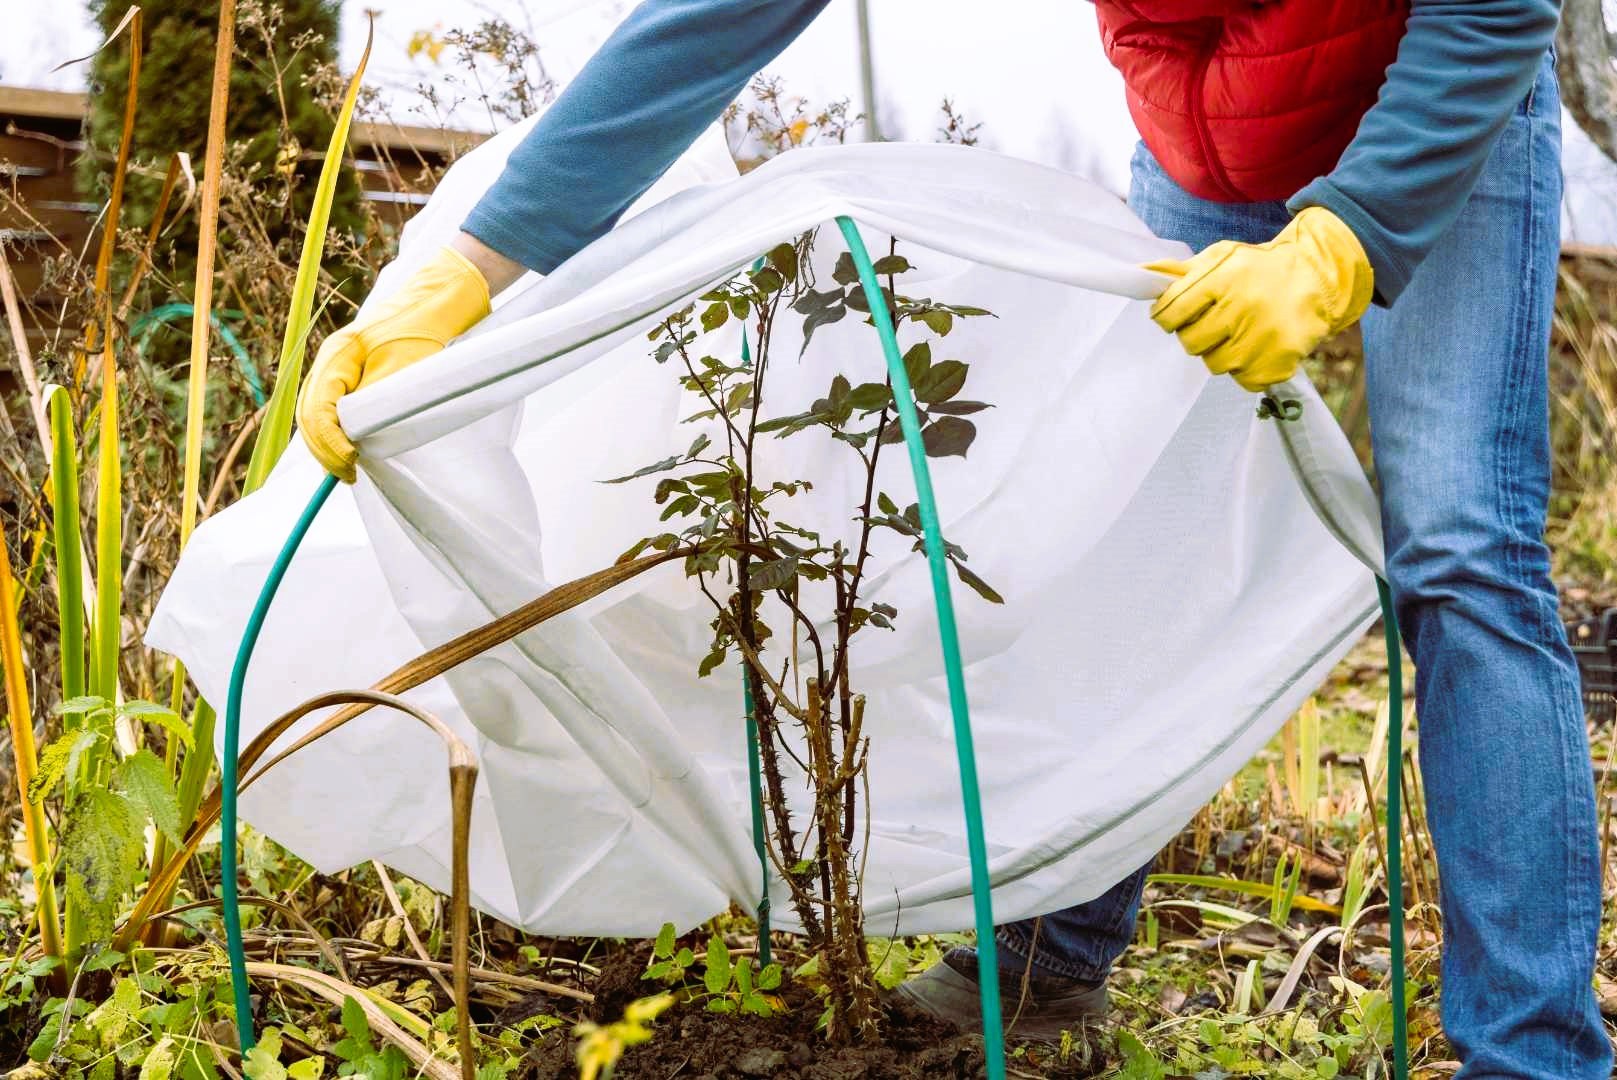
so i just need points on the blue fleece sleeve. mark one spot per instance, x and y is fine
(666, 73)
(1462, 68)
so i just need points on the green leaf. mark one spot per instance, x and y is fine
(143, 779)
(103, 845)
(82, 705)
(939, 322)
(845, 272)
(665, 942)
(717, 976)
(941, 382)
(783, 257)
(311, 1068)
(773, 574)
(743, 975)
(263, 1061)
(815, 300)
(891, 264)
(948, 436)
(656, 467)
(58, 760)
(916, 361)
(357, 1046)
(870, 397)
(819, 318)
(769, 977)
(957, 408)
(977, 584)
(768, 279)
(885, 503)
(756, 1004)
(715, 316)
(1138, 1062)
(711, 661)
(160, 1060)
(150, 713)
(721, 1005)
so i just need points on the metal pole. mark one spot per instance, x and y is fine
(867, 74)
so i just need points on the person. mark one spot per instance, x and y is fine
(1390, 162)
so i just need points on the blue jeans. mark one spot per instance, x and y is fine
(1457, 374)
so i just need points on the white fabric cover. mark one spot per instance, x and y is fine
(1171, 592)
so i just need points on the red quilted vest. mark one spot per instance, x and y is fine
(1244, 101)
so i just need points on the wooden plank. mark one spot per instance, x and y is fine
(22, 101)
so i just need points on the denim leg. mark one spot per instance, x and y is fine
(1082, 942)
(1459, 406)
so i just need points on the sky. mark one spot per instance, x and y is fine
(1030, 71)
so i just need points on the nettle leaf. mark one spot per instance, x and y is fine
(142, 778)
(103, 844)
(773, 574)
(976, 584)
(941, 382)
(164, 717)
(891, 264)
(715, 315)
(83, 705)
(845, 272)
(661, 466)
(783, 257)
(59, 759)
(948, 436)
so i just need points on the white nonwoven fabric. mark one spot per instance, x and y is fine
(1177, 573)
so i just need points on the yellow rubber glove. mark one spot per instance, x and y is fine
(1254, 311)
(440, 301)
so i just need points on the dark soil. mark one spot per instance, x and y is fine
(694, 1044)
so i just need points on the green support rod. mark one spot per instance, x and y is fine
(228, 764)
(1395, 827)
(754, 771)
(976, 844)
(756, 785)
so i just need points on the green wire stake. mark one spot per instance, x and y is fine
(228, 763)
(1395, 821)
(904, 398)
(755, 782)
(754, 771)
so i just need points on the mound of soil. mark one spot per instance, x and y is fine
(693, 1044)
